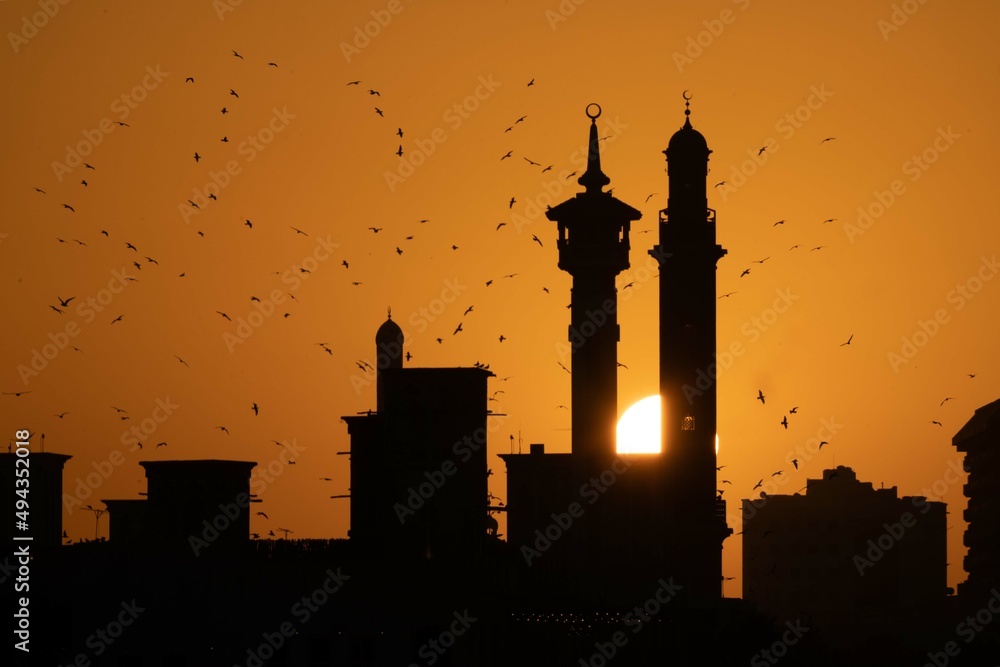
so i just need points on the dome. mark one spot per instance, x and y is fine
(688, 140)
(389, 332)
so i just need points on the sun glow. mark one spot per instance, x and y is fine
(639, 427)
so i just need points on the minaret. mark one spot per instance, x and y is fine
(687, 255)
(388, 353)
(593, 247)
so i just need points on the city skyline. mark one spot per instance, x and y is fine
(312, 155)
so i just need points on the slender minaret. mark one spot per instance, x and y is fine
(388, 354)
(593, 247)
(687, 255)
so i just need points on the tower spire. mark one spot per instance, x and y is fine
(687, 109)
(593, 179)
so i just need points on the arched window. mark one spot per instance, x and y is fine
(687, 423)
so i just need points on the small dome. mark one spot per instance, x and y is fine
(389, 332)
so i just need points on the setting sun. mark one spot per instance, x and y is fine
(639, 427)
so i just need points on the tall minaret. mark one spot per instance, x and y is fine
(593, 247)
(687, 255)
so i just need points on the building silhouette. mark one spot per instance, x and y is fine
(418, 462)
(979, 440)
(851, 559)
(44, 496)
(644, 516)
(190, 505)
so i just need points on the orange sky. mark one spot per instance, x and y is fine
(306, 150)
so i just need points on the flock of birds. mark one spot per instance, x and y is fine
(404, 238)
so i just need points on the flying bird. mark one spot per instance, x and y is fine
(374, 92)
(233, 93)
(937, 422)
(848, 341)
(196, 157)
(181, 360)
(942, 402)
(400, 132)
(784, 422)
(457, 329)
(793, 410)
(506, 156)
(238, 55)
(263, 515)
(760, 396)
(533, 163)
(758, 485)
(224, 429)
(745, 272)
(15, 393)
(223, 314)
(255, 409)
(795, 462)
(117, 319)
(779, 222)
(531, 83)
(512, 202)
(762, 150)
(399, 151)
(719, 183)
(69, 207)
(65, 302)
(827, 139)
(379, 112)
(536, 239)
(299, 231)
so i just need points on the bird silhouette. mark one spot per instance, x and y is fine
(762, 150)
(299, 231)
(745, 272)
(16, 393)
(117, 319)
(223, 314)
(457, 329)
(793, 410)
(506, 156)
(758, 485)
(760, 396)
(233, 93)
(942, 402)
(795, 462)
(400, 132)
(255, 409)
(533, 163)
(467, 311)
(536, 240)
(197, 157)
(848, 341)
(69, 207)
(784, 422)
(827, 139)
(512, 202)
(238, 55)
(379, 112)
(223, 429)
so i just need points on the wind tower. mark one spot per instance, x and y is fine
(593, 247)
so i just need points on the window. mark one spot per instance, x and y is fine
(687, 424)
